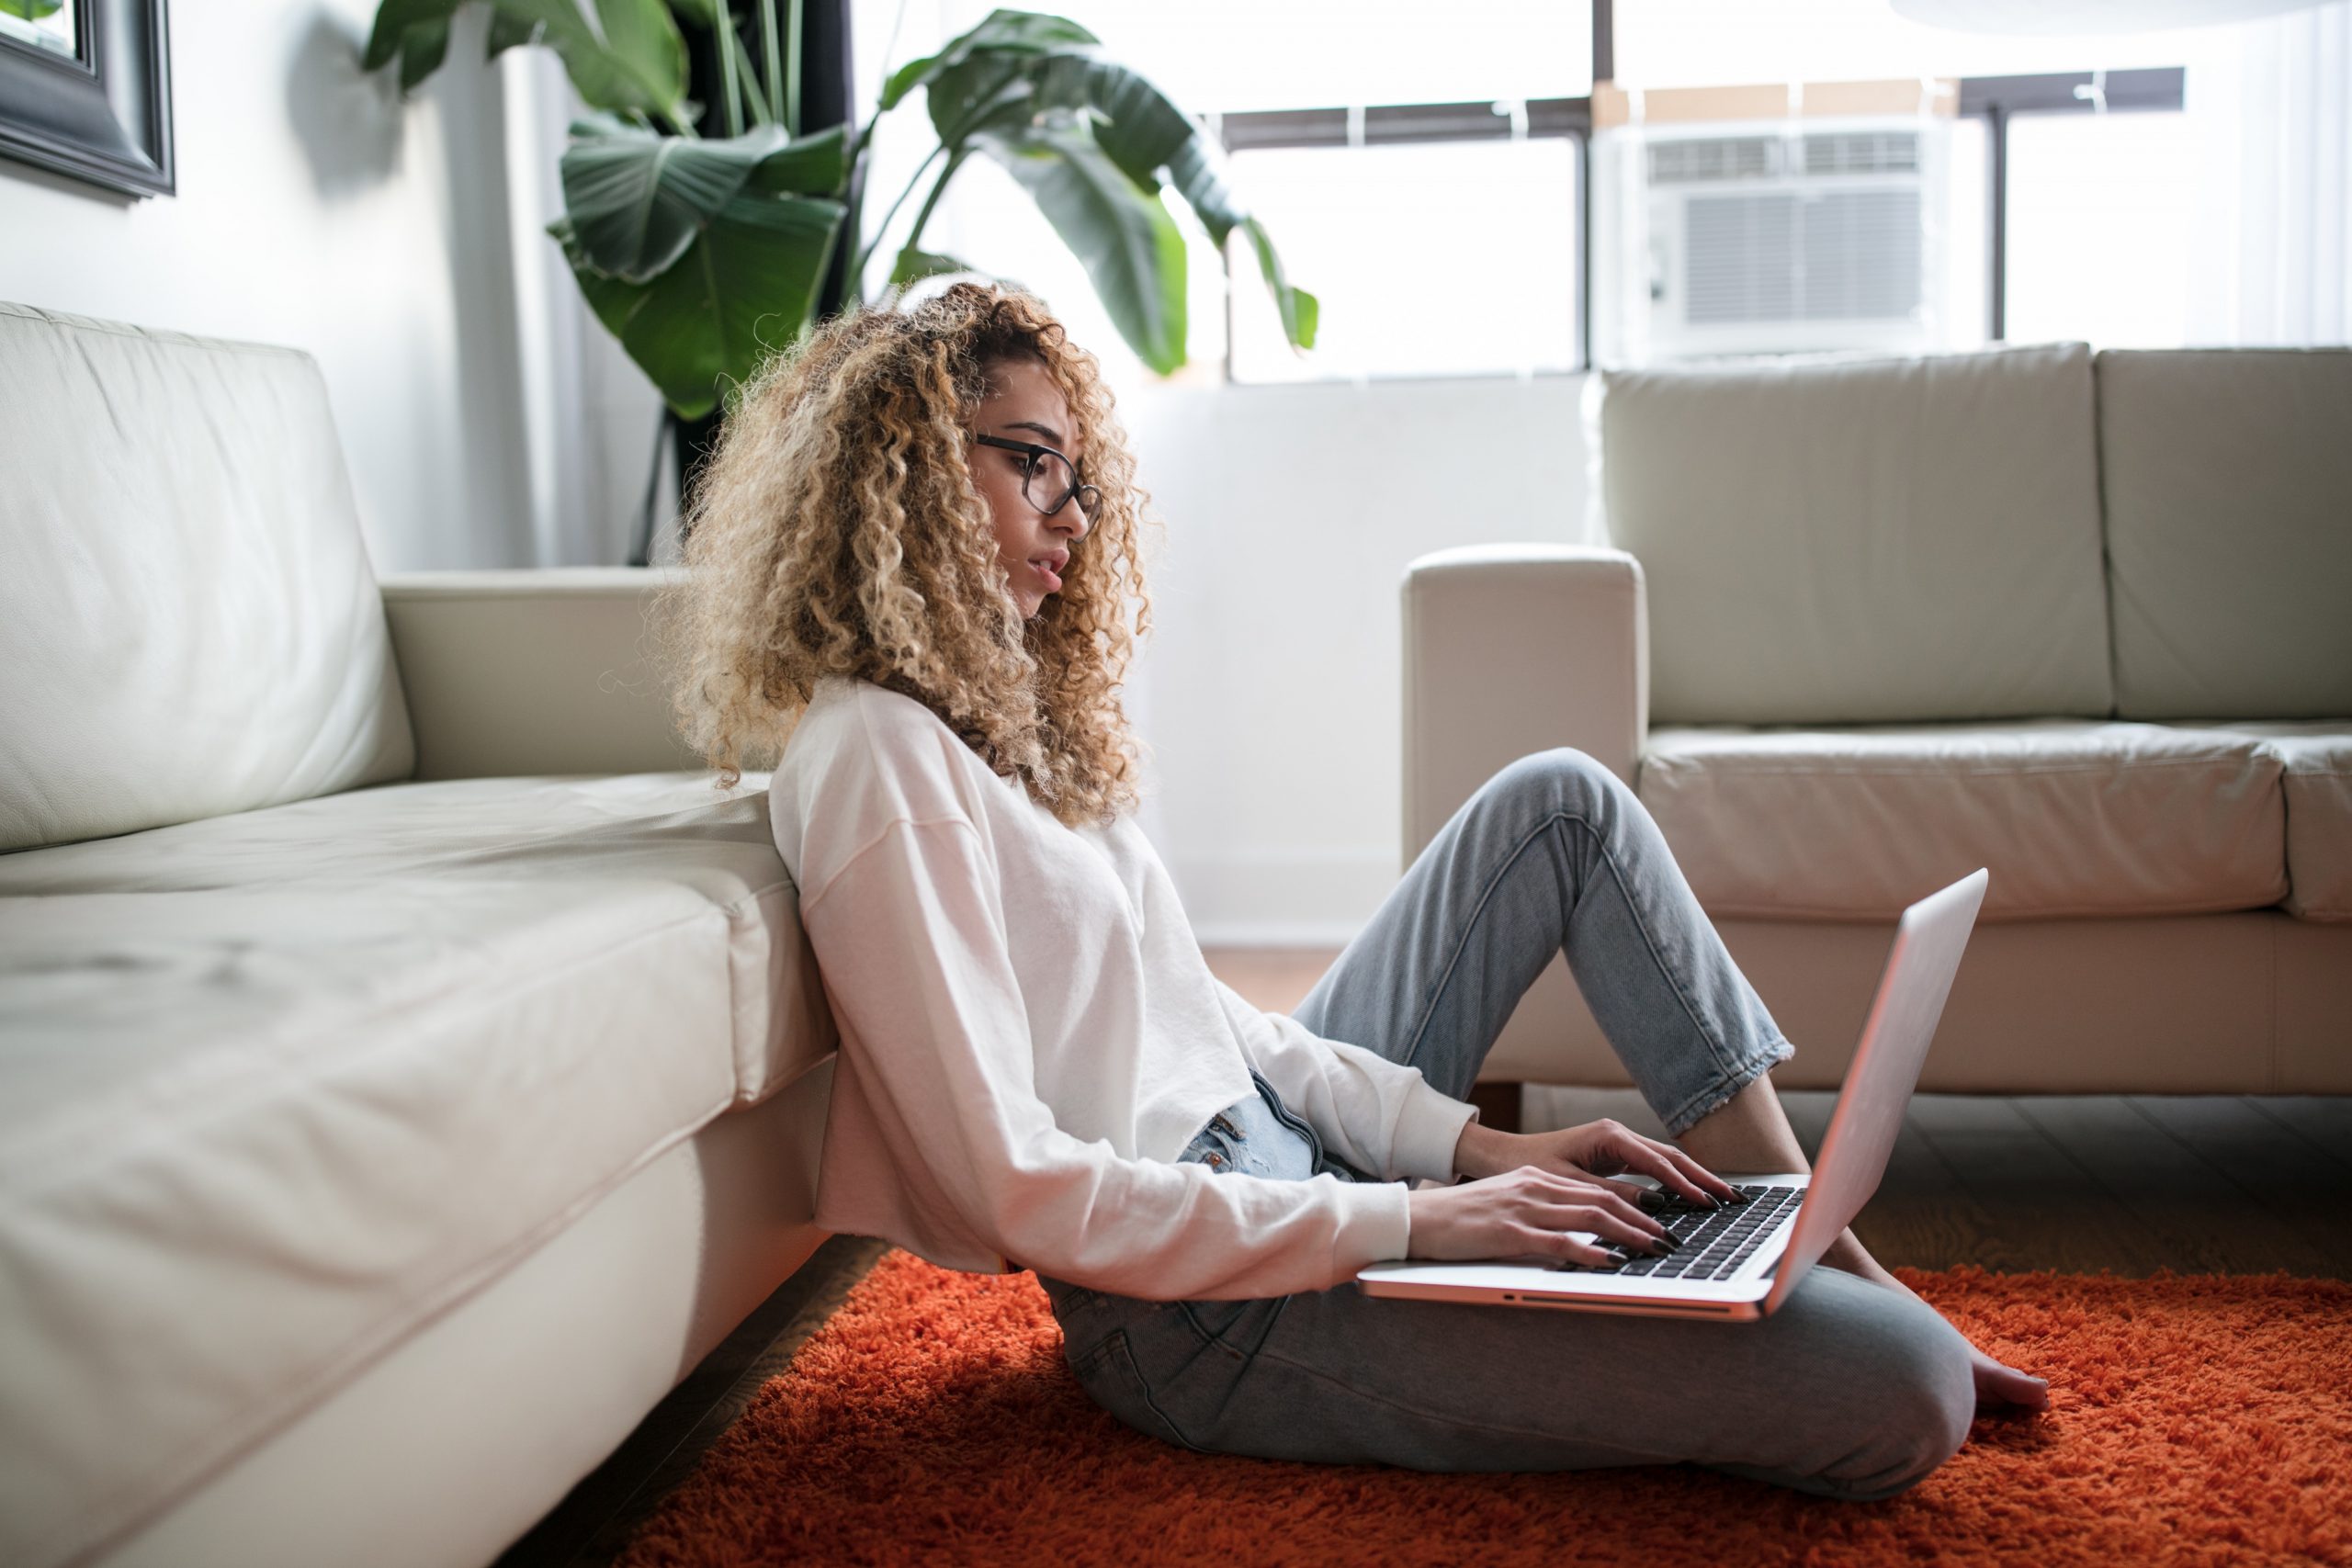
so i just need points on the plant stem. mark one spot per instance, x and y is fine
(857, 268)
(729, 89)
(779, 69)
(792, 77)
(954, 161)
(754, 93)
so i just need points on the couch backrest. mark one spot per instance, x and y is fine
(1858, 540)
(189, 623)
(2228, 480)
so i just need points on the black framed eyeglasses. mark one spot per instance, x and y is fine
(1047, 478)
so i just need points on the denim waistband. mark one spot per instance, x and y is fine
(1261, 1136)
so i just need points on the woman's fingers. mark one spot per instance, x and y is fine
(1574, 1251)
(1674, 1169)
(1539, 1241)
(1608, 1146)
(1602, 1214)
(1576, 1180)
(1616, 1200)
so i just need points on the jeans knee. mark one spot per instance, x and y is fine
(1562, 775)
(1922, 1402)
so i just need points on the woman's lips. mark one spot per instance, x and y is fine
(1053, 583)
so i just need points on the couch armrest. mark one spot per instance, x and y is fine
(1513, 648)
(516, 672)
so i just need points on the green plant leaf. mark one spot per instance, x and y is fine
(745, 288)
(1123, 233)
(1137, 126)
(422, 48)
(611, 298)
(1001, 31)
(415, 32)
(1300, 310)
(30, 10)
(508, 32)
(914, 265)
(815, 164)
(638, 64)
(636, 200)
(1144, 131)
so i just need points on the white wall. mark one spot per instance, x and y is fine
(314, 210)
(1270, 692)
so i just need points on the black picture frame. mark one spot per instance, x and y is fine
(104, 117)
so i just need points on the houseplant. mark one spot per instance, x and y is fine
(704, 253)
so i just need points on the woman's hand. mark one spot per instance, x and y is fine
(1587, 1153)
(1527, 1212)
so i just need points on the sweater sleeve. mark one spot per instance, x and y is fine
(1380, 1116)
(909, 935)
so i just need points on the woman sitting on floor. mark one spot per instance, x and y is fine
(913, 562)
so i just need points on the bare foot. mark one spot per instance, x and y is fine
(1997, 1382)
(2000, 1385)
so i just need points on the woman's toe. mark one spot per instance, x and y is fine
(1999, 1385)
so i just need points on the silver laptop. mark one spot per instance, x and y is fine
(1743, 1260)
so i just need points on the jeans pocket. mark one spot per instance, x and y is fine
(1237, 1327)
(1109, 1375)
(1067, 1299)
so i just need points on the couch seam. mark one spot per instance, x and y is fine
(1790, 912)
(1720, 762)
(68, 321)
(599, 956)
(2273, 1008)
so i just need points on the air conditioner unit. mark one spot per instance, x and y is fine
(1780, 238)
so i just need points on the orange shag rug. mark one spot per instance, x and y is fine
(2196, 1418)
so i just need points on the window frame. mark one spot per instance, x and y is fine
(1377, 124)
(1993, 98)
(1996, 98)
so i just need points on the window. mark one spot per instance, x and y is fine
(1420, 171)
(1431, 258)
(1746, 177)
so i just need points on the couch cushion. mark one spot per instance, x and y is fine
(2317, 755)
(189, 624)
(2228, 476)
(1863, 540)
(2071, 817)
(667, 828)
(277, 1087)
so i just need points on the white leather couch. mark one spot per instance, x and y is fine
(410, 1066)
(1864, 624)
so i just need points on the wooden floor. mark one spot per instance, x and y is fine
(2228, 1184)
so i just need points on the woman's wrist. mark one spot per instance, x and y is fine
(1484, 1151)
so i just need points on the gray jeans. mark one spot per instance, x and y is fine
(1850, 1390)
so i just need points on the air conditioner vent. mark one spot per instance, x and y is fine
(1706, 159)
(1782, 256)
(1862, 152)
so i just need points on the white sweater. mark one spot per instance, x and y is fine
(1030, 1036)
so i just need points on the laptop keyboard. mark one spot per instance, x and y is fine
(1714, 1242)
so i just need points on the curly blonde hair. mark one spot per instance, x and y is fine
(836, 530)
